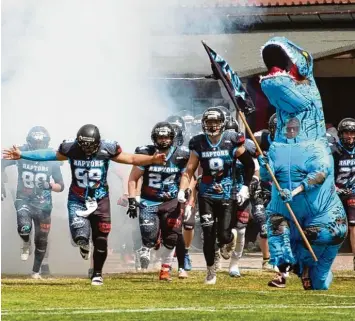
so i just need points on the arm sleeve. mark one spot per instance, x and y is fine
(57, 176)
(249, 167)
(40, 155)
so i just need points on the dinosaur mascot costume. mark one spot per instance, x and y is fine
(302, 163)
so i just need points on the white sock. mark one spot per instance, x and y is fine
(237, 254)
(167, 255)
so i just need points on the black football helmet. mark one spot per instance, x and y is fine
(210, 114)
(226, 112)
(197, 124)
(272, 126)
(178, 120)
(232, 125)
(347, 125)
(179, 138)
(163, 129)
(88, 138)
(38, 138)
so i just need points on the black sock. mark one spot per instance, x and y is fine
(99, 260)
(180, 251)
(39, 256)
(266, 258)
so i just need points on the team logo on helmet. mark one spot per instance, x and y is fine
(163, 135)
(346, 131)
(213, 121)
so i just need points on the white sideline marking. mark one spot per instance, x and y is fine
(247, 308)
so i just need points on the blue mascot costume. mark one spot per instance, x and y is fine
(302, 163)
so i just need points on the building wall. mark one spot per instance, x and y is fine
(195, 96)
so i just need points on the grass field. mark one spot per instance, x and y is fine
(143, 297)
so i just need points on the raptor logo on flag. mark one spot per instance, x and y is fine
(222, 71)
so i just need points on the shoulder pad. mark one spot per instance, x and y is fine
(111, 146)
(145, 150)
(66, 146)
(184, 151)
(336, 148)
(250, 147)
(237, 138)
(194, 142)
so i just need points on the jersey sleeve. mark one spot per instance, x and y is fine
(66, 147)
(184, 155)
(113, 148)
(237, 139)
(144, 150)
(250, 147)
(194, 145)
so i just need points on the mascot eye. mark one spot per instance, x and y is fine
(306, 55)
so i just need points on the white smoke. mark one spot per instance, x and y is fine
(71, 62)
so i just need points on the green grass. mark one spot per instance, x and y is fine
(143, 297)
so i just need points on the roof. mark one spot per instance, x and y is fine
(185, 55)
(261, 3)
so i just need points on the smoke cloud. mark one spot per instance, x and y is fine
(67, 63)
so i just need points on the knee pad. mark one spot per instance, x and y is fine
(242, 219)
(100, 243)
(81, 240)
(41, 243)
(24, 230)
(148, 241)
(277, 224)
(259, 215)
(170, 241)
(263, 231)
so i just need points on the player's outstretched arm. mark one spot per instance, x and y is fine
(139, 160)
(38, 155)
(190, 171)
(134, 176)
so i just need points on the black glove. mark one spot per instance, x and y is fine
(42, 184)
(3, 191)
(132, 207)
